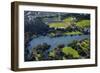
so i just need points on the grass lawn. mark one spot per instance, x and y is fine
(69, 50)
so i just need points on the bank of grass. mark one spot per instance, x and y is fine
(57, 25)
(70, 51)
(73, 33)
(52, 34)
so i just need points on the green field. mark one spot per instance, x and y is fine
(83, 23)
(65, 23)
(68, 20)
(57, 25)
(70, 51)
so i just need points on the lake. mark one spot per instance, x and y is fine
(54, 41)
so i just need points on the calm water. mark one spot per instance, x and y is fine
(55, 41)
